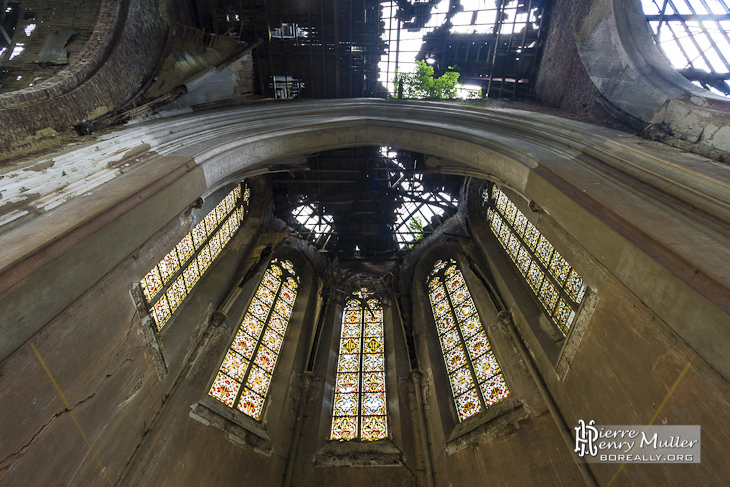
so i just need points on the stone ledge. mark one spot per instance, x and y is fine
(249, 434)
(485, 425)
(358, 454)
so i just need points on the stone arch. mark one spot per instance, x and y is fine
(615, 45)
(449, 432)
(269, 434)
(392, 449)
(629, 205)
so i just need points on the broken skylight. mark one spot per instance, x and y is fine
(314, 225)
(481, 39)
(421, 210)
(694, 36)
(369, 202)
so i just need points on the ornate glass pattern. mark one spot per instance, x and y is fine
(558, 287)
(211, 221)
(359, 408)
(251, 359)
(198, 234)
(168, 265)
(204, 259)
(215, 246)
(471, 365)
(176, 293)
(182, 267)
(185, 247)
(161, 311)
(152, 283)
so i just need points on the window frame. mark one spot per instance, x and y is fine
(239, 209)
(458, 435)
(291, 365)
(516, 294)
(363, 297)
(155, 335)
(232, 412)
(357, 453)
(438, 272)
(566, 299)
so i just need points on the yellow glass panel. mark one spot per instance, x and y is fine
(253, 354)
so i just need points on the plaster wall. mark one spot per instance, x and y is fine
(641, 208)
(84, 395)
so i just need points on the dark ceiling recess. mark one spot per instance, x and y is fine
(312, 49)
(339, 48)
(365, 202)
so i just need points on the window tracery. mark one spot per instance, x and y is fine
(558, 287)
(694, 35)
(244, 377)
(359, 407)
(168, 283)
(475, 375)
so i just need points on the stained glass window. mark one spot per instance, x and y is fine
(557, 286)
(185, 264)
(245, 374)
(475, 375)
(359, 406)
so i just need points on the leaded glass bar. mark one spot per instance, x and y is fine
(557, 286)
(168, 283)
(474, 373)
(245, 375)
(359, 408)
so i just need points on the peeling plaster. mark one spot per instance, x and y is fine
(721, 137)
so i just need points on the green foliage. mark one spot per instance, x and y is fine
(415, 226)
(421, 84)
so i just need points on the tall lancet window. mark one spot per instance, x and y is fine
(359, 409)
(168, 283)
(558, 286)
(475, 375)
(245, 374)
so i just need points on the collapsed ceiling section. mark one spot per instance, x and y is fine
(365, 202)
(493, 44)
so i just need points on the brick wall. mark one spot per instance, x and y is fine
(64, 14)
(123, 50)
(562, 80)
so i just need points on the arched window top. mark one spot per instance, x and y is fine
(474, 372)
(359, 408)
(694, 35)
(245, 375)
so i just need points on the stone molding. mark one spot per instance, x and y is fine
(615, 45)
(657, 218)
